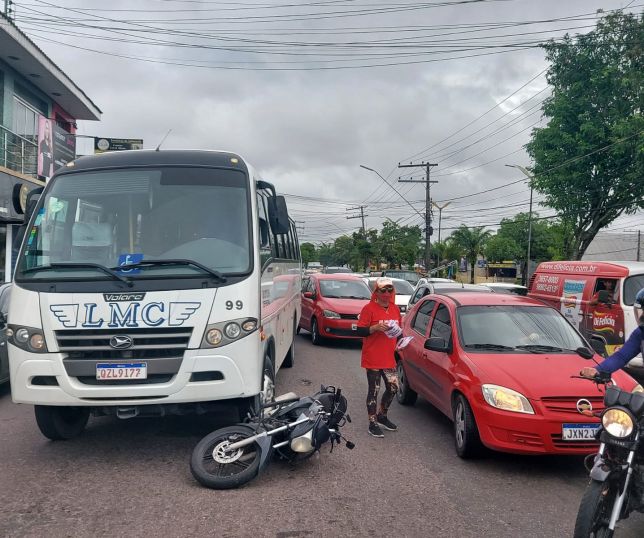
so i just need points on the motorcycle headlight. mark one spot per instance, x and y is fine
(303, 443)
(638, 388)
(331, 314)
(618, 422)
(506, 399)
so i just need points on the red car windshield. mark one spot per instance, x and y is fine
(344, 289)
(529, 329)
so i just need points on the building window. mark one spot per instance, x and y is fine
(25, 120)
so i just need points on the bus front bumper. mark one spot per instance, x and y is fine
(204, 375)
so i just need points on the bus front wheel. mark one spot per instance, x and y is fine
(61, 423)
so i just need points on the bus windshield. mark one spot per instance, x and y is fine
(112, 218)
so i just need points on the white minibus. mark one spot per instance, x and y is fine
(152, 283)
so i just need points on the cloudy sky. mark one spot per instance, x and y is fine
(310, 90)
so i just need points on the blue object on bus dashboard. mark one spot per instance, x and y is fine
(127, 259)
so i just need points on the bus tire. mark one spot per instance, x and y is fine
(289, 360)
(61, 423)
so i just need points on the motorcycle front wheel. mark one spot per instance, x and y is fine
(216, 467)
(595, 510)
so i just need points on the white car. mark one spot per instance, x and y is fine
(506, 287)
(404, 291)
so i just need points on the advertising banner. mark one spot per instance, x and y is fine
(56, 147)
(102, 145)
(64, 147)
(573, 290)
(45, 147)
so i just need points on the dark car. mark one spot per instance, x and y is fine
(410, 276)
(5, 292)
(335, 270)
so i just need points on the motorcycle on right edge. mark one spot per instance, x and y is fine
(616, 486)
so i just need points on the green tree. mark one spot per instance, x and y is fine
(499, 249)
(589, 159)
(399, 244)
(471, 243)
(343, 250)
(326, 254)
(308, 253)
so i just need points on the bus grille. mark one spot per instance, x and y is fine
(94, 344)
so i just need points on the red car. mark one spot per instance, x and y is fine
(331, 304)
(500, 367)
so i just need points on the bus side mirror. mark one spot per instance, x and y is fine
(278, 215)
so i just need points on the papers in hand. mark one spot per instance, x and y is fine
(404, 342)
(394, 330)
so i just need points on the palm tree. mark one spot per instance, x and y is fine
(471, 242)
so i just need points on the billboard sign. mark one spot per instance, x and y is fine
(56, 147)
(101, 145)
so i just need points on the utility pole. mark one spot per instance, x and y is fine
(361, 208)
(428, 204)
(639, 248)
(440, 217)
(526, 277)
(8, 10)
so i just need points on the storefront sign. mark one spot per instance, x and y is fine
(102, 145)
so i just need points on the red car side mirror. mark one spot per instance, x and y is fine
(309, 295)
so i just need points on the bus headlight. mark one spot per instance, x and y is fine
(26, 338)
(618, 422)
(21, 336)
(220, 334)
(214, 337)
(232, 331)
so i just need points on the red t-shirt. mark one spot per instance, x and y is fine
(377, 348)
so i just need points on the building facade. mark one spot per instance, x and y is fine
(39, 107)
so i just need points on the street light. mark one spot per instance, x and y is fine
(440, 216)
(526, 277)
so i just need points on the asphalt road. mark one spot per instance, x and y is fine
(131, 478)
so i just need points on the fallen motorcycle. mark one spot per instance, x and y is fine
(616, 486)
(291, 427)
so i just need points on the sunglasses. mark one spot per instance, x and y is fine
(385, 289)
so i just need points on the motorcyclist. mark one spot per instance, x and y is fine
(630, 349)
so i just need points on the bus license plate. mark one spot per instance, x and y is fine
(579, 432)
(107, 371)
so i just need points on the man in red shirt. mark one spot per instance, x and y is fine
(380, 323)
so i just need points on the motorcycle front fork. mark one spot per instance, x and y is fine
(619, 502)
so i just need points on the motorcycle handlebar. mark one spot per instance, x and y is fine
(601, 378)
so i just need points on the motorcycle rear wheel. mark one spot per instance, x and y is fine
(216, 468)
(595, 510)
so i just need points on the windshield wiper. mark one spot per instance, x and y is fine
(151, 263)
(540, 348)
(355, 297)
(490, 346)
(79, 265)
